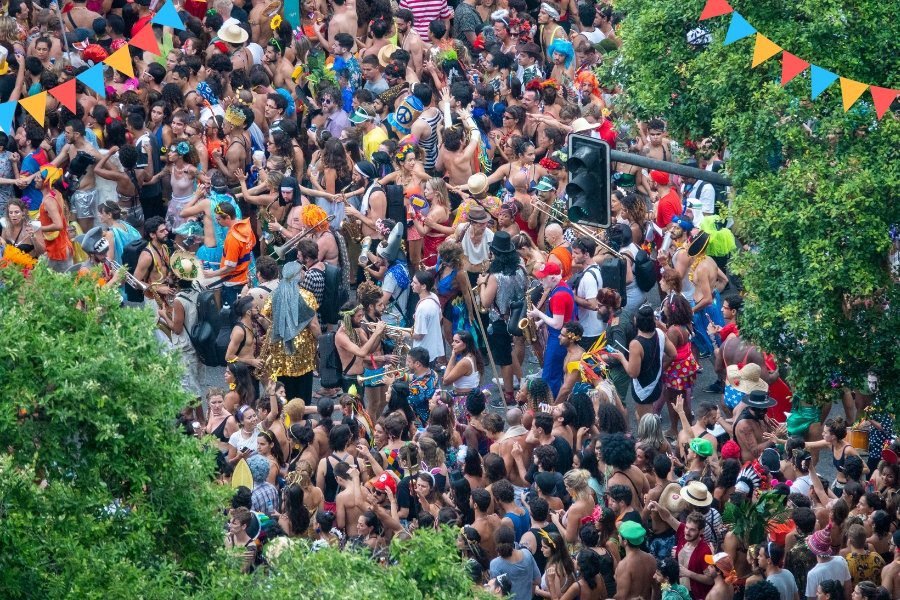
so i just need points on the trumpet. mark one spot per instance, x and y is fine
(394, 332)
(553, 213)
(371, 379)
(282, 250)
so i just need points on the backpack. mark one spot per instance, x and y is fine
(335, 295)
(644, 270)
(329, 365)
(223, 333)
(612, 274)
(130, 255)
(206, 330)
(396, 206)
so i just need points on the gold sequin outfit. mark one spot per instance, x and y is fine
(279, 363)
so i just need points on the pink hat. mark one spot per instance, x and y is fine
(820, 542)
(730, 449)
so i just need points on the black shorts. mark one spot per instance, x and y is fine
(501, 343)
(653, 397)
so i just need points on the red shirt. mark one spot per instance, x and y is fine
(669, 206)
(562, 302)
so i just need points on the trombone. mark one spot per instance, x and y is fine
(372, 379)
(553, 213)
(290, 244)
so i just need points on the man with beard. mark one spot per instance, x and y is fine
(236, 153)
(409, 39)
(336, 119)
(634, 573)
(354, 344)
(277, 66)
(750, 425)
(373, 204)
(707, 417)
(690, 550)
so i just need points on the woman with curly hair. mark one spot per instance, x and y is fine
(531, 396)
(590, 584)
(618, 454)
(632, 211)
(411, 176)
(680, 375)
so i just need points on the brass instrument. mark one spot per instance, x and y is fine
(290, 244)
(351, 226)
(265, 217)
(391, 331)
(388, 373)
(364, 261)
(134, 282)
(529, 327)
(553, 213)
(476, 298)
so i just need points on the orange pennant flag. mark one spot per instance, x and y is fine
(36, 106)
(146, 40)
(65, 93)
(764, 50)
(715, 8)
(120, 60)
(882, 98)
(851, 91)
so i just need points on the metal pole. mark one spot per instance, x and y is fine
(669, 167)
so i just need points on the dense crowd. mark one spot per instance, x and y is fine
(363, 218)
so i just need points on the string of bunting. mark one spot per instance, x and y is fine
(792, 65)
(120, 60)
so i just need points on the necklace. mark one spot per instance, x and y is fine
(699, 258)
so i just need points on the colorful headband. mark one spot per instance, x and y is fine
(546, 536)
(510, 207)
(206, 93)
(549, 164)
(235, 116)
(402, 151)
(276, 43)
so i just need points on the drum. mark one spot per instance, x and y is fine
(859, 439)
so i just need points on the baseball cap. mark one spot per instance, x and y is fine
(385, 482)
(721, 560)
(547, 183)
(547, 270)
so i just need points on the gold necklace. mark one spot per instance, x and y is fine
(697, 260)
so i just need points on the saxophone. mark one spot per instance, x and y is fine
(528, 327)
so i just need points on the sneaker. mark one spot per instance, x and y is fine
(716, 388)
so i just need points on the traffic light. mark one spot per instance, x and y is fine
(588, 187)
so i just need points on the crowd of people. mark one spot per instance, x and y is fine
(363, 218)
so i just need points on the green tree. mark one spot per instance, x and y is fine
(99, 492)
(816, 186)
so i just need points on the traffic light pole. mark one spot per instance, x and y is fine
(669, 167)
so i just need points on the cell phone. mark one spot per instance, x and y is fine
(610, 348)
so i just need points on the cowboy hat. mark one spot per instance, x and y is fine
(749, 379)
(185, 265)
(384, 55)
(477, 184)
(671, 499)
(232, 33)
(696, 493)
(758, 399)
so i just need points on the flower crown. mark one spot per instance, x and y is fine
(403, 150)
(235, 116)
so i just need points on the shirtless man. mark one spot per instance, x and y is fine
(707, 416)
(701, 278)
(531, 102)
(720, 566)
(354, 347)
(153, 264)
(486, 522)
(455, 161)
(890, 574)
(277, 66)
(343, 20)
(514, 436)
(634, 573)
(242, 343)
(410, 41)
(236, 145)
(84, 200)
(659, 146)
(80, 17)
(751, 424)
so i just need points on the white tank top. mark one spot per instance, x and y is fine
(470, 381)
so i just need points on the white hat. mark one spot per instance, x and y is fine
(233, 33)
(582, 124)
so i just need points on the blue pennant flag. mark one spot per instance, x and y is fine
(821, 79)
(739, 29)
(93, 78)
(7, 112)
(168, 16)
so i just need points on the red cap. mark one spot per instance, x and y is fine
(730, 449)
(548, 269)
(384, 482)
(889, 456)
(660, 177)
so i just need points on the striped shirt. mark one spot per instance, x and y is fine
(426, 11)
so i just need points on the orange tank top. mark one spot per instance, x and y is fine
(564, 256)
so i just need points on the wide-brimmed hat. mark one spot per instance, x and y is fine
(581, 124)
(477, 184)
(502, 243)
(749, 379)
(384, 55)
(93, 242)
(698, 244)
(185, 265)
(361, 115)
(671, 499)
(478, 215)
(232, 33)
(758, 399)
(696, 493)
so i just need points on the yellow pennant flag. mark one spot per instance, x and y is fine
(763, 50)
(36, 106)
(120, 60)
(851, 91)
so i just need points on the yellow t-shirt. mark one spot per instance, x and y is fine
(372, 140)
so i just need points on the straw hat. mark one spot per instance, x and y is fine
(186, 266)
(671, 499)
(232, 33)
(477, 184)
(384, 55)
(581, 124)
(696, 494)
(749, 379)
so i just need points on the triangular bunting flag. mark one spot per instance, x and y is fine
(821, 79)
(882, 97)
(168, 17)
(715, 8)
(851, 91)
(738, 29)
(93, 78)
(7, 112)
(791, 66)
(146, 40)
(764, 50)
(36, 106)
(120, 60)
(65, 93)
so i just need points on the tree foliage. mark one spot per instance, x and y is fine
(101, 496)
(816, 187)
